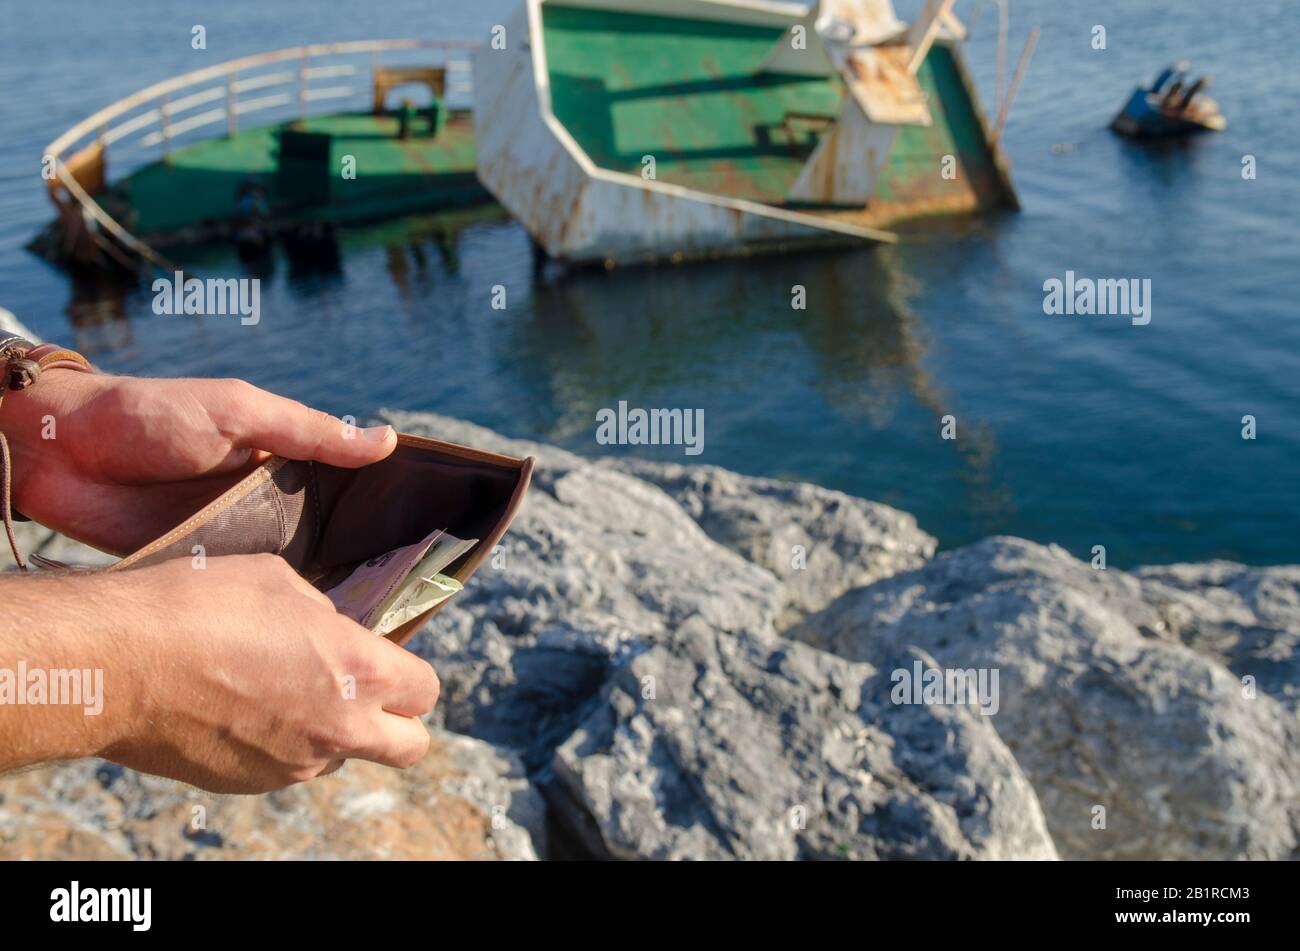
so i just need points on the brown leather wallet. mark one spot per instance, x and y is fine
(325, 520)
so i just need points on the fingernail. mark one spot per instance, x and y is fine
(376, 433)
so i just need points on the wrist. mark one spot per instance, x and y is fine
(72, 687)
(31, 420)
(33, 376)
(23, 413)
(112, 626)
(127, 648)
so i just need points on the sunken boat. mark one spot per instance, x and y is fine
(1173, 105)
(288, 144)
(616, 131)
(627, 131)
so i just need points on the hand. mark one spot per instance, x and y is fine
(241, 678)
(132, 458)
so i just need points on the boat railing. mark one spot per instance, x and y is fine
(148, 125)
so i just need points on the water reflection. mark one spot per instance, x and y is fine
(700, 334)
(97, 310)
(312, 250)
(726, 336)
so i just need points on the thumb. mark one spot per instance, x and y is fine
(257, 420)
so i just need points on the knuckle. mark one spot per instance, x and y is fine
(301, 774)
(319, 419)
(416, 676)
(415, 752)
(365, 666)
(344, 735)
(269, 570)
(235, 388)
(322, 426)
(270, 561)
(258, 562)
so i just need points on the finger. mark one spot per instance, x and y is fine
(394, 741)
(256, 419)
(413, 685)
(333, 767)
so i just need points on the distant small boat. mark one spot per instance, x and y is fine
(1172, 106)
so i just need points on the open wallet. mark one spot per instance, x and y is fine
(327, 521)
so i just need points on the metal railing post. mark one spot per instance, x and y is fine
(165, 120)
(302, 86)
(232, 121)
(1025, 54)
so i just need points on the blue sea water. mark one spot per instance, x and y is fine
(1077, 430)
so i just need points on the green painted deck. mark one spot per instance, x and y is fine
(685, 91)
(393, 176)
(689, 93)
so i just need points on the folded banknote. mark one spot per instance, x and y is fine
(416, 595)
(401, 583)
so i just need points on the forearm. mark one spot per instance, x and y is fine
(68, 680)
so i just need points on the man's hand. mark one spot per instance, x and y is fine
(237, 677)
(131, 458)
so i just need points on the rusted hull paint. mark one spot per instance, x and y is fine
(913, 183)
(845, 167)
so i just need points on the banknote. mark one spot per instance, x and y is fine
(374, 583)
(417, 594)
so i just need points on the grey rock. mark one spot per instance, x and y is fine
(437, 426)
(711, 745)
(493, 780)
(1100, 700)
(1246, 618)
(820, 543)
(465, 800)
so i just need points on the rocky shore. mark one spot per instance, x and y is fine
(681, 662)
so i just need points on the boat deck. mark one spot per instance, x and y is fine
(689, 93)
(198, 184)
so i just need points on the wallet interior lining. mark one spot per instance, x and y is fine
(366, 512)
(325, 520)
